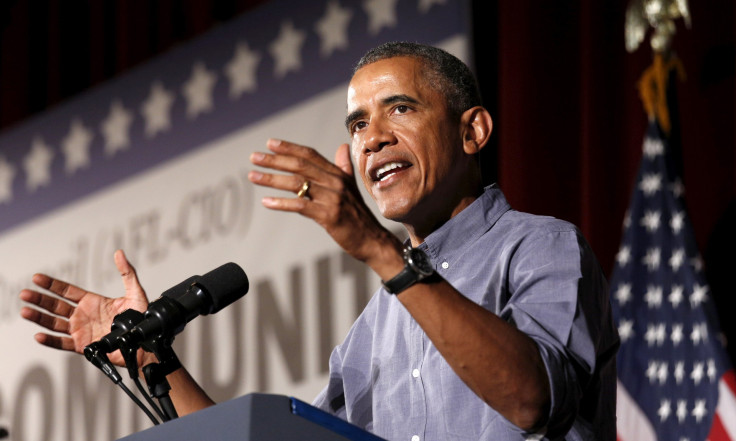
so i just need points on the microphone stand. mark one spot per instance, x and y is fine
(155, 373)
(124, 322)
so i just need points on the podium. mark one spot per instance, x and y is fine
(256, 417)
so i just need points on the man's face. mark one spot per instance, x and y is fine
(407, 148)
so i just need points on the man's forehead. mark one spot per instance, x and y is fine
(388, 76)
(389, 66)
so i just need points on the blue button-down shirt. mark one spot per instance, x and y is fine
(535, 272)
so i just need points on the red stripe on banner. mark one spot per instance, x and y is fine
(717, 431)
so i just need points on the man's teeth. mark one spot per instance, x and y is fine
(385, 170)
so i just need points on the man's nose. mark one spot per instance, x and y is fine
(378, 135)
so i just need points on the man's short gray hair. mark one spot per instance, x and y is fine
(452, 77)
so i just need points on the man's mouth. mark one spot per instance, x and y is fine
(389, 169)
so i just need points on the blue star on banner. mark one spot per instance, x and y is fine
(675, 380)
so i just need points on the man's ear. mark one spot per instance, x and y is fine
(476, 126)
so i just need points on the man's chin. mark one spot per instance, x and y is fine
(397, 211)
(393, 213)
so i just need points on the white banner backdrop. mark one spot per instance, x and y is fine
(185, 213)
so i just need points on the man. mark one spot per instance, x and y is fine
(492, 324)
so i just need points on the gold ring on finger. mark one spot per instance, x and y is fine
(303, 191)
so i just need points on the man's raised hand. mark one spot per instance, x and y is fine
(332, 200)
(76, 316)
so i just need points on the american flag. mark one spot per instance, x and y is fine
(675, 379)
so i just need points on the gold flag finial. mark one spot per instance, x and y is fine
(658, 14)
(653, 88)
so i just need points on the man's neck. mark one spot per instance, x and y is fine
(419, 230)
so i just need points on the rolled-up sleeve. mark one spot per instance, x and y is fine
(554, 289)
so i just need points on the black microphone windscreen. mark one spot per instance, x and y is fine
(179, 290)
(224, 285)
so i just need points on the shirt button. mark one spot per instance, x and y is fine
(415, 438)
(445, 265)
(415, 374)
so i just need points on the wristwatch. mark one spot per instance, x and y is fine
(416, 267)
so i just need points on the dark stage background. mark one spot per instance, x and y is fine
(568, 121)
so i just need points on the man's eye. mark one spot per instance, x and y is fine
(359, 125)
(402, 109)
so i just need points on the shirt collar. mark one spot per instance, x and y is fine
(468, 225)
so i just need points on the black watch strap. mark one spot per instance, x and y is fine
(416, 268)
(401, 281)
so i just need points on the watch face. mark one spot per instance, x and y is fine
(418, 260)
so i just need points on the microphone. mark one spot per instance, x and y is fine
(177, 306)
(154, 331)
(198, 295)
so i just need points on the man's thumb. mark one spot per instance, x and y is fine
(343, 160)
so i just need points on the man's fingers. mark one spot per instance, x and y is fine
(289, 148)
(59, 287)
(309, 208)
(292, 183)
(294, 158)
(289, 164)
(297, 205)
(51, 304)
(56, 342)
(47, 321)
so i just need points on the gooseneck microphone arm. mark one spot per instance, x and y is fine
(154, 330)
(98, 357)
